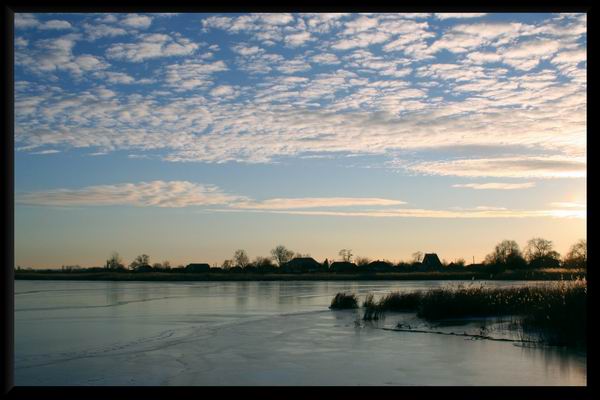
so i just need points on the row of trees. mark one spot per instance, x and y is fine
(538, 253)
(279, 254)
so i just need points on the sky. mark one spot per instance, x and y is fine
(189, 136)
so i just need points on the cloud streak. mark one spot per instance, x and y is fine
(495, 186)
(476, 213)
(178, 194)
(316, 202)
(506, 167)
(172, 194)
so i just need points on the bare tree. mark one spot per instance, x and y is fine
(362, 261)
(281, 254)
(115, 261)
(460, 262)
(577, 255)
(139, 261)
(263, 262)
(417, 256)
(539, 248)
(227, 264)
(346, 255)
(241, 258)
(506, 254)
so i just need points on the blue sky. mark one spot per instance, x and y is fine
(188, 136)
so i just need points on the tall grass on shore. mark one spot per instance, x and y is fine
(375, 310)
(555, 313)
(344, 301)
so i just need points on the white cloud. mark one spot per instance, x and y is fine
(51, 55)
(527, 55)
(276, 18)
(190, 75)
(25, 20)
(88, 62)
(119, 78)
(55, 24)
(444, 16)
(95, 32)
(496, 186)
(570, 57)
(224, 91)
(360, 24)
(326, 58)
(151, 46)
(21, 42)
(246, 50)
(484, 57)
(467, 37)
(362, 40)
(297, 39)
(293, 66)
(137, 21)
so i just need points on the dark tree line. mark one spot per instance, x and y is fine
(507, 255)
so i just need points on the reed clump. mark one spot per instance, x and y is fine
(344, 301)
(554, 313)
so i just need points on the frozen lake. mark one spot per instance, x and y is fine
(253, 333)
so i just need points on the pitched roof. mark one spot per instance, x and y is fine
(431, 260)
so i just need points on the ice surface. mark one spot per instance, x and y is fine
(255, 333)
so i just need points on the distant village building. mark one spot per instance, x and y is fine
(144, 268)
(431, 261)
(342, 266)
(302, 264)
(380, 266)
(197, 267)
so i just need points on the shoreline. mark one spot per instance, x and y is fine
(537, 275)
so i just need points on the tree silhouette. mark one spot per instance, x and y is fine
(114, 262)
(506, 254)
(417, 256)
(346, 255)
(241, 258)
(362, 261)
(577, 255)
(539, 253)
(140, 261)
(281, 254)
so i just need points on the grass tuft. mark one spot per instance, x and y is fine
(344, 301)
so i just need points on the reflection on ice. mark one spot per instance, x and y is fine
(254, 333)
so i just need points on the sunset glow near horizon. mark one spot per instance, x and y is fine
(189, 136)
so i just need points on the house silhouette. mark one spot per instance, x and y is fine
(197, 267)
(380, 266)
(431, 261)
(302, 264)
(342, 266)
